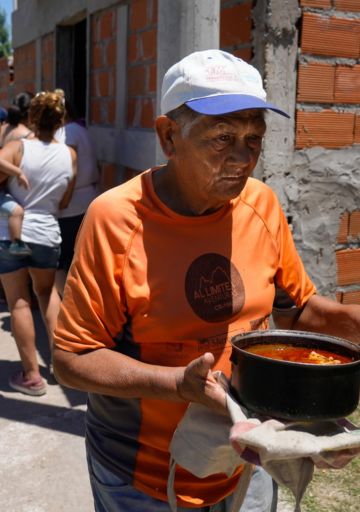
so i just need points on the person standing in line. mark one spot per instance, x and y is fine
(75, 135)
(50, 168)
(16, 126)
(167, 268)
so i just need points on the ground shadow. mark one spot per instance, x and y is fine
(74, 397)
(62, 419)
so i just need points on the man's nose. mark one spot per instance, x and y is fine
(240, 153)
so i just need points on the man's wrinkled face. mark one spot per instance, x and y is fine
(217, 154)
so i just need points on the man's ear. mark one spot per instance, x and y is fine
(165, 131)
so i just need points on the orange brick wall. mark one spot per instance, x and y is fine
(25, 68)
(103, 67)
(141, 72)
(47, 62)
(328, 91)
(235, 28)
(5, 82)
(348, 258)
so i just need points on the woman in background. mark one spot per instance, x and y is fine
(16, 126)
(75, 135)
(50, 168)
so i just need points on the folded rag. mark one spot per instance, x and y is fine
(289, 452)
(208, 442)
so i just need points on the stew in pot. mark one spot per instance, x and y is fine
(296, 354)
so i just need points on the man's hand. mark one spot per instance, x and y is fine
(336, 459)
(197, 383)
(23, 181)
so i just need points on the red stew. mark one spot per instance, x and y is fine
(295, 354)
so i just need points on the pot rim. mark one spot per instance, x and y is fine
(303, 334)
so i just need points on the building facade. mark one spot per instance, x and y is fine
(110, 56)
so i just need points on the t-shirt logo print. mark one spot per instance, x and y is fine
(214, 288)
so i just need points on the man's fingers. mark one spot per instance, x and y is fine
(202, 364)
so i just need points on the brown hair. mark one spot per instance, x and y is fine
(47, 111)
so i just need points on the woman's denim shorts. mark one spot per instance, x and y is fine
(42, 256)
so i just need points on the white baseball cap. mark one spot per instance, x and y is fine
(213, 82)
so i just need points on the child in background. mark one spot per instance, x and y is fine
(12, 210)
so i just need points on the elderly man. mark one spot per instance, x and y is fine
(168, 267)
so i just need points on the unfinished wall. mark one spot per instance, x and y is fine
(321, 179)
(47, 62)
(25, 68)
(236, 27)
(6, 82)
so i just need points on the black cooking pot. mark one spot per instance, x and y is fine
(295, 391)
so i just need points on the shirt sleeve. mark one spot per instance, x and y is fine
(293, 285)
(71, 134)
(93, 309)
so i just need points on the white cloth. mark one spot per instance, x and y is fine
(86, 186)
(288, 453)
(200, 444)
(48, 167)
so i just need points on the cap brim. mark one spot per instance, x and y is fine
(227, 103)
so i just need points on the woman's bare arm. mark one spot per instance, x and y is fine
(65, 200)
(10, 158)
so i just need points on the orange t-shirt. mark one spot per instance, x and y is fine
(165, 288)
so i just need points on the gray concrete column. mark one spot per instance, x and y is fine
(280, 58)
(184, 26)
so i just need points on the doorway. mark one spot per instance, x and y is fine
(71, 64)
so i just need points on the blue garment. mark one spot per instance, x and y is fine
(42, 256)
(112, 494)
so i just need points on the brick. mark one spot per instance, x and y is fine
(138, 14)
(103, 83)
(148, 44)
(235, 24)
(343, 228)
(153, 8)
(136, 80)
(108, 175)
(347, 5)
(111, 111)
(351, 297)
(347, 84)
(95, 23)
(111, 53)
(357, 130)
(354, 226)
(327, 129)
(316, 83)
(97, 60)
(107, 24)
(131, 114)
(243, 53)
(320, 4)
(147, 113)
(152, 78)
(95, 111)
(348, 266)
(331, 36)
(132, 48)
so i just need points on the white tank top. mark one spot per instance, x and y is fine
(48, 167)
